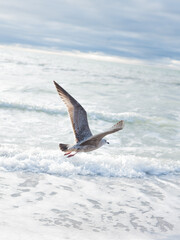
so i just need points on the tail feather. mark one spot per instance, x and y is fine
(63, 147)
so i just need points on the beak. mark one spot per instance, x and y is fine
(107, 142)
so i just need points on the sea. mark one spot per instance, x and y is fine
(129, 189)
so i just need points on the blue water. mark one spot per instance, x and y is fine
(34, 119)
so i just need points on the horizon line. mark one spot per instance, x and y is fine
(98, 56)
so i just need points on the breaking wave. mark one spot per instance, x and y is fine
(128, 116)
(101, 164)
(30, 108)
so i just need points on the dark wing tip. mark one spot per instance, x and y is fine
(59, 88)
(55, 83)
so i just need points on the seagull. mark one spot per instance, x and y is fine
(85, 141)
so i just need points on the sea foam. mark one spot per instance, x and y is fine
(102, 164)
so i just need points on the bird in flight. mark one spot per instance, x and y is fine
(85, 141)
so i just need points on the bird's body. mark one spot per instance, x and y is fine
(85, 141)
(81, 147)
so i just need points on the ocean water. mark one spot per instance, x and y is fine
(128, 189)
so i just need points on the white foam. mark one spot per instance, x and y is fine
(110, 116)
(101, 164)
(29, 107)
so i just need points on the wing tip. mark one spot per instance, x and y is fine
(55, 83)
(119, 125)
(58, 87)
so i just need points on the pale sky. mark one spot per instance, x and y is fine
(144, 29)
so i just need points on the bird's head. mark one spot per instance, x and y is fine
(105, 141)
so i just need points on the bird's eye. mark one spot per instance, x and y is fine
(107, 142)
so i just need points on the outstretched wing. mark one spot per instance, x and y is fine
(94, 140)
(77, 115)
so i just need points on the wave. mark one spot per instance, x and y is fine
(93, 115)
(105, 165)
(109, 117)
(30, 108)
